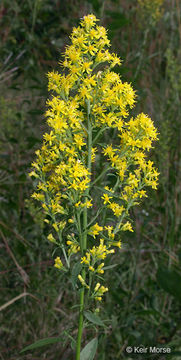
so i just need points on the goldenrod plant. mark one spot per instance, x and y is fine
(86, 184)
(151, 10)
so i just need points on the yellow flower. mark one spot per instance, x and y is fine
(51, 238)
(100, 269)
(79, 141)
(55, 227)
(116, 208)
(109, 151)
(101, 251)
(86, 66)
(95, 230)
(99, 292)
(110, 232)
(86, 259)
(127, 226)
(58, 263)
(88, 204)
(33, 173)
(70, 221)
(74, 247)
(83, 185)
(97, 287)
(85, 93)
(142, 193)
(82, 281)
(117, 243)
(37, 196)
(108, 189)
(133, 181)
(93, 155)
(91, 268)
(89, 21)
(106, 198)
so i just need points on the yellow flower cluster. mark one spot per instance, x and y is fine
(151, 8)
(129, 162)
(127, 226)
(51, 238)
(95, 255)
(99, 291)
(82, 281)
(73, 244)
(58, 263)
(86, 102)
(95, 230)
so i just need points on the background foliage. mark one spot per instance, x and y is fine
(143, 304)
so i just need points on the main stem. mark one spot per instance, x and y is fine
(84, 239)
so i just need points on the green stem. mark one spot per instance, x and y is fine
(99, 177)
(65, 256)
(81, 319)
(84, 237)
(78, 225)
(99, 133)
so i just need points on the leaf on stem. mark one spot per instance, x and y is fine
(41, 342)
(109, 267)
(75, 272)
(93, 318)
(89, 350)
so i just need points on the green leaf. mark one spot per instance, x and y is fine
(41, 342)
(89, 350)
(75, 272)
(73, 342)
(93, 318)
(169, 281)
(109, 267)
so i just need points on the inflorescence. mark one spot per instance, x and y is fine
(90, 98)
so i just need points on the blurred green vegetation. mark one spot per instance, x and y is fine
(143, 304)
